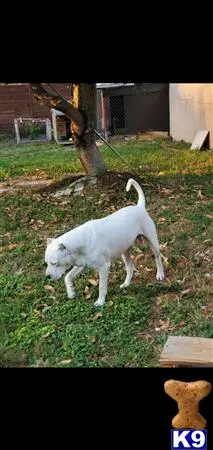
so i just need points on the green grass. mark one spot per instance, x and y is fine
(40, 326)
(148, 159)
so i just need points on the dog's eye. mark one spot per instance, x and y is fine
(54, 264)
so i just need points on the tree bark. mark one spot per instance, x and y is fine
(82, 112)
(84, 99)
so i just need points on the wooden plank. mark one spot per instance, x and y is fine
(17, 131)
(199, 139)
(187, 351)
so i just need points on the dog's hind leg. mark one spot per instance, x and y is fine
(69, 280)
(130, 269)
(103, 284)
(150, 233)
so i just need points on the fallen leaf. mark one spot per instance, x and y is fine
(46, 334)
(65, 361)
(180, 325)
(182, 281)
(166, 191)
(161, 220)
(138, 250)
(184, 260)
(67, 202)
(186, 291)
(143, 335)
(27, 287)
(20, 271)
(24, 315)
(99, 203)
(147, 270)
(11, 246)
(164, 325)
(163, 245)
(99, 314)
(162, 298)
(93, 340)
(49, 288)
(200, 195)
(209, 217)
(46, 308)
(5, 235)
(93, 282)
(87, 292)
(165, 259)
(110, 303)
(41, 363)
(169, 297)
(138, 257)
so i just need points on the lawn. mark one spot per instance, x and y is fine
(39, 325)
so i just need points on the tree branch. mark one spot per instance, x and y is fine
(59, 103)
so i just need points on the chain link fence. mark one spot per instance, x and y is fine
(110, 115)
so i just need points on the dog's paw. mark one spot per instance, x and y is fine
(124, 285)
(136, 273)
(160, 276)
(71, 293)
(99, 302)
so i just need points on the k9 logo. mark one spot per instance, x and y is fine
(190, 439)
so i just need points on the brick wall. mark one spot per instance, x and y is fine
(17, 101)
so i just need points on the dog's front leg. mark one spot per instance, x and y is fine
(103, 284)
(69, 280)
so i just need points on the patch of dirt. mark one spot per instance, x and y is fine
(62, 183)
(116, 178)
(23, 183)
(146, 136)
(109, 180)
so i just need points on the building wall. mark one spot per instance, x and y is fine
(147, 112)
(191, 110)
(17, 101)
(146, 109)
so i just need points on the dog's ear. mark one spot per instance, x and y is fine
(61, 246)
(49, 240)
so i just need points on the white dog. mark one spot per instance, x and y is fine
(97, 242)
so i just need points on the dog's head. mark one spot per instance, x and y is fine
(57, 258)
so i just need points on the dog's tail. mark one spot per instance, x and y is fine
(141, 197)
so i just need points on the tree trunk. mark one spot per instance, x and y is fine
(82, 112)
(84, 99)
